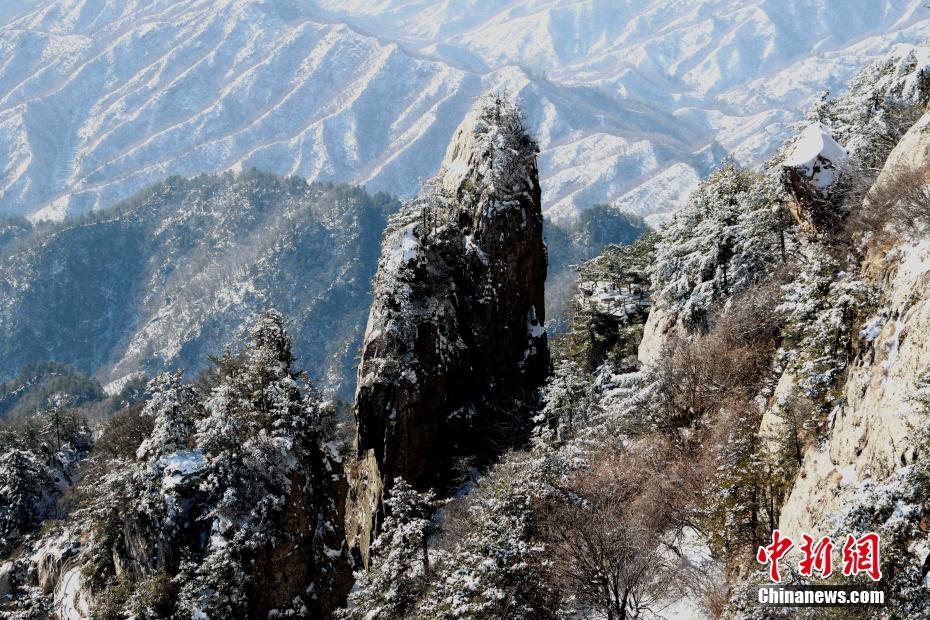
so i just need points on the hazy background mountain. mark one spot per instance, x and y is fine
(166, 278)
(631, 101)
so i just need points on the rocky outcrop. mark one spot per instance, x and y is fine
(661, 328)
(455, 348)
(312, 552)
(872, 431)
(809, 170)
(44, 571)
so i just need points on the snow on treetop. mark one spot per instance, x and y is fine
(492, 143)
(815, 141)
(910, 66)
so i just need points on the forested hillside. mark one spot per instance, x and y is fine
(166, 279)
(759, 363)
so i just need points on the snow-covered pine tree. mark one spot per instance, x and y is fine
(256, 428)
(400, 566)
(722, 241)
(821, 305)
(174, 406)
(26, 488)
(738, 512)
(569, 403)
(495, 569)
(259, 438)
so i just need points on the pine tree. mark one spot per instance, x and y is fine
(58, 422)
(174, 406)
(821, 306)
(258, 427)
(400, 565)
(725, 239)
(259, 436)
(26, 486)
(495, 569)
(737, 516)
(569, 404)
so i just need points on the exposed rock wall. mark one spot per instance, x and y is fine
(454, 351)
(870, 435)
(809, 171)
(661, 327)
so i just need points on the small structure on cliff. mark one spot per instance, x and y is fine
(455, 349)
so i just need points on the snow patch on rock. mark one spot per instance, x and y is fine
(816, 155)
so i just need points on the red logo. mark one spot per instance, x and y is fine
(860, 555)
(773, 553)
(817, 557)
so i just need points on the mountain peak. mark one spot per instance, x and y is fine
(490, 146)
(455, 347)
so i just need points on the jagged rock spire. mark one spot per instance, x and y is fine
(455, 348)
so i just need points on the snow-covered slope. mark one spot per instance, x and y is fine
(167, 278)
(101, 97)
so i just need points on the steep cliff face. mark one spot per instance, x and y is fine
(455, 347)
(873, 431)
(661, 328)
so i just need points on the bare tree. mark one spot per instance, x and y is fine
(699, 376)
(898, 203)
(611, 533)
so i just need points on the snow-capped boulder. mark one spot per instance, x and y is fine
(815, 155)
(811, 168)
(454, 346)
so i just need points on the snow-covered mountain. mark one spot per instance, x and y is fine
(632, 101)
(172, 273)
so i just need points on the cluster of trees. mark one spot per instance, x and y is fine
(189, 492)
(231, 469)
(732, 231)
(869, 119)
(597, 231)
(36, 383)
(538, 537)
(877, 108)
(822, 306)
(607, 316)
(38, 460)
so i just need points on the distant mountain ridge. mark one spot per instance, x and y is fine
(632, 102)
(165, 279)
